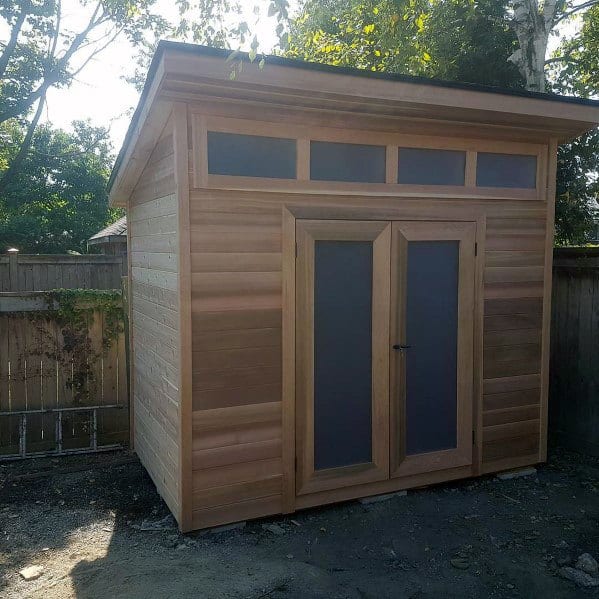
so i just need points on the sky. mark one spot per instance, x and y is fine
(102, 95)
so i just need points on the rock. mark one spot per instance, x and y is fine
(224, 528)
(564, 561)
(379, 498)
(31, 572)
(516, 473)
(582, 579)
(167, 523)
(460, 563)
(275, 529)
(587, 563)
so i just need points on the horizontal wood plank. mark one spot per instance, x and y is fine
(236, 454)
(234, 493)
(224, 398)
(236, 473)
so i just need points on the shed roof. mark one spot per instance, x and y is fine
(180, 69)
(117, 229)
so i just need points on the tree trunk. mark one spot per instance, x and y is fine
(532, 27)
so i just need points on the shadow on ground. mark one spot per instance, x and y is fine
(80, 519)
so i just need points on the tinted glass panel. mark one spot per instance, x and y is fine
(431, 167)
(251, 155)
(432, 328)
(506, 170)
(347, 162)
(342, 353)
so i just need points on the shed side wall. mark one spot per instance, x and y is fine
(152, 222)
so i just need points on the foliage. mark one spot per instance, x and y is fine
(368, 34)
(418, 37)
(58, 198)
(74, 309)
(577, 189)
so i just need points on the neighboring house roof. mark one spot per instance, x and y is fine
(117, 231)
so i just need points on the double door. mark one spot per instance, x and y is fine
(384, 355)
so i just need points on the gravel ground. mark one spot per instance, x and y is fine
(82, 520)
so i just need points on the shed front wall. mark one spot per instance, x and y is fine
(242, 265)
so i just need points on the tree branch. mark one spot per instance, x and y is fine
(97, 51)
(16, 162)
(565, 58)
(549, 12)
(14, 36)
(575, 10)
(53, 75)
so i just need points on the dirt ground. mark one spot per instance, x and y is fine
(82, 519)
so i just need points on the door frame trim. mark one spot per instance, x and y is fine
(462, 455)
(309, 480)
(290, 213)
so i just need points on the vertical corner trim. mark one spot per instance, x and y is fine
(551, 172)
(181, 149)
(288, 362)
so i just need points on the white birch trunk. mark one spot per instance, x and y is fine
(532, 26)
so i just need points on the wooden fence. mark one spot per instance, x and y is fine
(20, 272)
(574, 384)
(59, 394)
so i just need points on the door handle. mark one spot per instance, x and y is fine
(401, 347)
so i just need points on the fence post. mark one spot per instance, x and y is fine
(13, 270)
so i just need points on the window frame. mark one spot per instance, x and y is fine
(201, 123)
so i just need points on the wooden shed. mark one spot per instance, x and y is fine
(340, 280)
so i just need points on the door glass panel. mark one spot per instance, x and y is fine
(342, 353)
(432, 333)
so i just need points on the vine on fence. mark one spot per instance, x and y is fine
(73, 311)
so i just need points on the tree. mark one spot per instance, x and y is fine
(533, 23)
(576, 70)
(40, 52)
(57, 199)
(577, 189)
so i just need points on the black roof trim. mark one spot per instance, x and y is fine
(164, 45)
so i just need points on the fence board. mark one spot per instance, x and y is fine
(574, 373)
(22, 272)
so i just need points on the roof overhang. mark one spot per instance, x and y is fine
(181, 71)
(107, 239)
